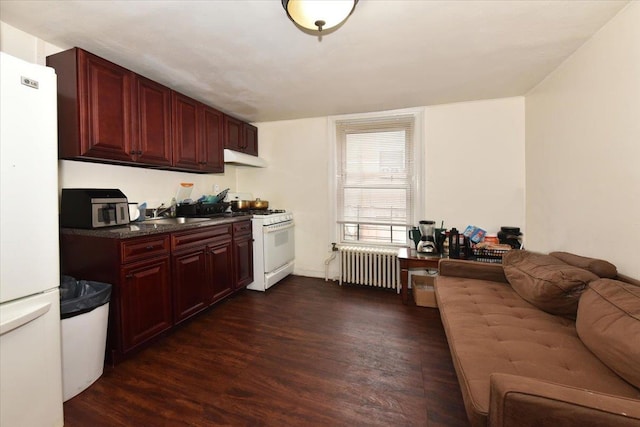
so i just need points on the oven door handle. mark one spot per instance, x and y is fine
(276, 227)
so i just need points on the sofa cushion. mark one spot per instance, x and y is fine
(599, 267)
(608, 323)
(545, 281)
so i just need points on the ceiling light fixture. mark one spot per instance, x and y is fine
(319, 15)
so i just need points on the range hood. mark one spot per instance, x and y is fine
(237, 158)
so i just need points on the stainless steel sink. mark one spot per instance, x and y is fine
(174, 221)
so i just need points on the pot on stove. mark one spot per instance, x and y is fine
(241, 205)
(260, 204)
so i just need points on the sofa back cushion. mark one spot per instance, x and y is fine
(545, 281)
(608, 323)
(599, 267)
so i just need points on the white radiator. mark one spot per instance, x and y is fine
(370, 266)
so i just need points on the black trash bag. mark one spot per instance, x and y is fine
(81, 296)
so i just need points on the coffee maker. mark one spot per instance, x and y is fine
(427, 242)
(459, 246)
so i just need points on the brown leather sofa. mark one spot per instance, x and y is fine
(543, 340)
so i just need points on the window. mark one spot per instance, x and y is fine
(376, 178)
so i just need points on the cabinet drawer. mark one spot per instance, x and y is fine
(200, 237)
(136, 249)
(241, 228)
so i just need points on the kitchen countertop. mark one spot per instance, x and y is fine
(144, 228)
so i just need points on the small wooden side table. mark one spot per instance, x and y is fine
(409, 259)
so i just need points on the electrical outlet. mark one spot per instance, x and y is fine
(216, 188)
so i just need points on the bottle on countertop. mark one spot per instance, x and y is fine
(174, 205)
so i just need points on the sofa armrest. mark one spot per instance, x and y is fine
(472, 270)
(528, 402)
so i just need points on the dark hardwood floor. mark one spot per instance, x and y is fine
(305, 353)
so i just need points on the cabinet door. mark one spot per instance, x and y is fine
(145, 297)
(233, 134)
(186, 147)
(151, 122)
(190, 293)
(212, 145)
(250, 139)
(243, 255)
(105, 108)
(220, 270)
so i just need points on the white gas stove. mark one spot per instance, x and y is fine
(273, 244)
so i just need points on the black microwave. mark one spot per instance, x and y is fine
(93, 208)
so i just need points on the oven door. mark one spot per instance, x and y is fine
(279, 246)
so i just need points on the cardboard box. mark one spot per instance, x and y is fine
(423, 291)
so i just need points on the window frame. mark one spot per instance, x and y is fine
(418, 174)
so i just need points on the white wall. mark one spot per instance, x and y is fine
(297, 180)
(475, 164)
(139, 185)
(583, 149)
(474, 174)
(25, 46)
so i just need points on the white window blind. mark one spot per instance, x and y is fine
(375, 179)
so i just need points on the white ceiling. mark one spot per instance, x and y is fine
(246, 58)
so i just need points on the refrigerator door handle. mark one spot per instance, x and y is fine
(23, 318)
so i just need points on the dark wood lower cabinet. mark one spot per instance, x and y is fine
(158, 280)
(220, 270)
(202, 269)
(242, 254)
(189, 279)
(145, 301)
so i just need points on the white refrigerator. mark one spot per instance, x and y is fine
(30, 355)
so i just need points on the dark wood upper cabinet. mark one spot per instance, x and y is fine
(233, 133)
(151, 122)
(186, 132)
(197, 135)
(212, 135)
(110, 114)
(250, 136)
(94, 106)
(240, 136)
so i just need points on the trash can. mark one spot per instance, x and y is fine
(84, 310)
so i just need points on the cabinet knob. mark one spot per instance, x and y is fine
(133, 152)
(139, 151)
(128, 276)
(149, 248)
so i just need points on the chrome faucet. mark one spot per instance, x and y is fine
(160, 211)
(165, 211)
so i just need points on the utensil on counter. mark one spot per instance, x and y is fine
(221, 195)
